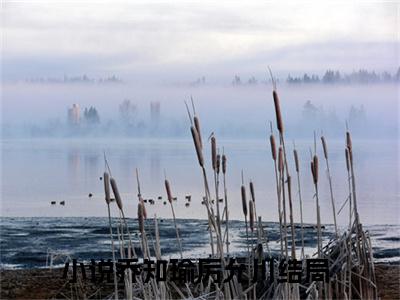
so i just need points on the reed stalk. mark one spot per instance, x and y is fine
(106, 180)
(169, 195)
(244, 208)
(280, 127)
(325, 148)
(349, 262)
(196, 135)
(120, 206)
(253, 198)
(282, 180)
(278, 189)
(314, 171)
(289, 185)
(224, 162)
(297, 166)
(214, 160)
(354, 198)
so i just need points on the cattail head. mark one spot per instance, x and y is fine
(116, 193)
(140, 217)
(218, 163)
(280, 160)
(273, 146)
(312, 170)
(168, 189)
(224, 163)
(315, 165)
(347, 159)
(348, 141)
(197, 126)
(279, 121)
(251, 214)
(325, 147)
(350, 156)
(106, 179)
(289, 184)
(296, 160)
(244, 204)
(197, 145)
(253, 197)
(214, 153)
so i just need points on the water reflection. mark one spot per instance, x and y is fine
(70, 170)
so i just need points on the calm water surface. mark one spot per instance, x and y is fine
(38, 171)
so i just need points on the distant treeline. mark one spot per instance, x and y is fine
(330, 77)
(360, 76)
(74, 79)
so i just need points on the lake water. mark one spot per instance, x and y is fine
(38, 171)
(26, 242)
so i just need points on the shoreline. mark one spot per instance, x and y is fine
(48, 283)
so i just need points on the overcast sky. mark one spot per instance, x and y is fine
(178, 40)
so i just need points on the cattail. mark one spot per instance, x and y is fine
(116, 193)
(324, 147)
(251, 214)
(214, 153)
(312, 171)
(223, 163)
(350, 156)
(106, 179)
(197, 145)
(315, 165)
(348, 141)
(218, 162)
(252, 192)
(140, 217)
(144, 207)
(197, 126)
(296, 160)
(273, 146)
(279, 121)
(289, 184)
(168, 189)
(244, 204)
(347, 159)
(280, 160)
